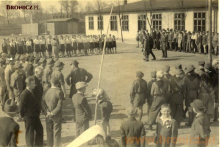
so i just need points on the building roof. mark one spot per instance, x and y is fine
(158, 5)
(62, 19)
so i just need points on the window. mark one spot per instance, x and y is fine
(179, 21)
(100, 22)
(157, 21)
(91, 23)
(199, 21)
(125, 25)
(113, 23)
(141, 22)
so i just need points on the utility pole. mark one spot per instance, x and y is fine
(210, 31)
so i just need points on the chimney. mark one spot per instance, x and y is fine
(125, 2)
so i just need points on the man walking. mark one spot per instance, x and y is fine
(148, 45)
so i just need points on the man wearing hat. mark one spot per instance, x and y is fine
(77, 75)
(192, 87)
(200, 129)
(178, 90)
(132, 129)
(138, 93)
(8, 72)
(159, 91)
(29, 71)
(9, 128)
(17, 82)
(81, 108)
(30, 112)
(47, 74)
(3, 87)
(57, 73)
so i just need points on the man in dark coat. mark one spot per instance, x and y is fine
(77, 75)
(30, 112)
(148, 45)
(132, 130)
(9, 128)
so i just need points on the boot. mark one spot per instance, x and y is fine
(189, 123)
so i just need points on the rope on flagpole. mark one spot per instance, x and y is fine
(100, 70)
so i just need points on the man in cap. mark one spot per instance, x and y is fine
(52, 106)
(200, 130)
(77, 75)
(148, 45)
(29, 71)
(138, 93)
(9, 128)
(57, 73)
(192, 87)
(81, 108)
(3, 88)
(178, 90)
(132, 129)
(47, 74)
(17, 82)
(8, 72)
(159, 91)
(30, 112)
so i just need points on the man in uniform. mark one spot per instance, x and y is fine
(2, 82)
(158, 36)
(17, 82)
(8, 72)
(204, 42)
(47, 74)
(163, 45)
(81, 108)
(192, 87)
(184, 40)
(77, 75)
(177, 89)
(49, 46)
(57, 73)
(170, 39)
(37, 47)
(148, 46)
(29, 71)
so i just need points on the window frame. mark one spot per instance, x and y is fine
(201, 20)
(142, 21)
(125, 23)
(91, 23)
(181, 25)
(114, 23)
(100, 23)
(157, 21)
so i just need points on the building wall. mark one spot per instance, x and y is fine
(167, 22)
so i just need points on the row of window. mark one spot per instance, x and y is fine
(179, 22)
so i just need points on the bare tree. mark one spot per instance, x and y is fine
(52, 9)
(4, 11)
(119, 9)
(64, 6)
(89, 7)
(73, 6)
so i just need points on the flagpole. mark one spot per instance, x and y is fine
(100, 70)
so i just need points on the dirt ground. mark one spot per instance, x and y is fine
(118, 73)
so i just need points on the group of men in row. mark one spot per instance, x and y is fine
(184, 86)
(182, 41)
(59, 46)
(37, 88)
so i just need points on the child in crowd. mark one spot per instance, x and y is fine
(167, 128)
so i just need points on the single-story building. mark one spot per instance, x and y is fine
(62, 26)
(164, 13)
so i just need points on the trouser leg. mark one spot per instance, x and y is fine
(57, 132)
(49, 127)
(151, 52)
(29, 131)
(39, 132)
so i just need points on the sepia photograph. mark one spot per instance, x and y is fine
(109, 73)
